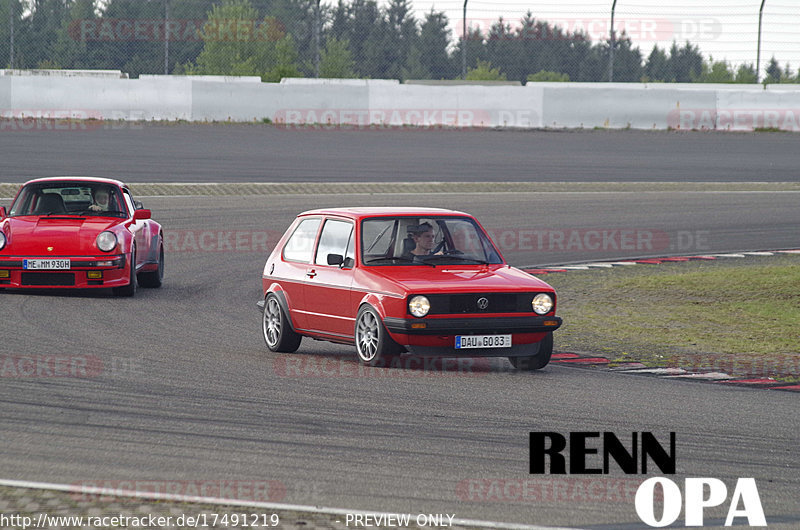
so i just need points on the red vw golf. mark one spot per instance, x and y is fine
(393, 280)
(79, 232)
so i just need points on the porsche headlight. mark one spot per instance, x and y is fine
(542, 304)
(2, 241)
(419, 306)
(106, 241)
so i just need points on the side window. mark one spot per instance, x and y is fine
(300, 246)
(333, 240)
(128, 202)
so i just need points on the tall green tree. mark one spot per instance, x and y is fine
(715, 72)
(686, 62)
(10, 17)
(774, 71)
(336, 61)
(502, 49)
(434, 39)
(243, 56)
(657, 66)
(400, 38)
(475, 50)
(746, 73)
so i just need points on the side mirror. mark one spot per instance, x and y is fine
(2, 212)
(138, 205)
(141, 215)
(335, 259)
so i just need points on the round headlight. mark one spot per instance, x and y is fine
(2, 241)
(419, 306)
(542, 303)
(106, 241)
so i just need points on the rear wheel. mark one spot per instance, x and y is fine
(154, 278)
(278, 332)
(374, 346)
(130, 289)
(538, 361)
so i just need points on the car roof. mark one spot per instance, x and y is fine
(78, 179)
(362, 212)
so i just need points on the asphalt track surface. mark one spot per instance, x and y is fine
(238, 153)
(187, 391)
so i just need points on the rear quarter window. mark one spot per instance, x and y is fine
(300, 245)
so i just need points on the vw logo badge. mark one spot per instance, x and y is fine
(483, 302)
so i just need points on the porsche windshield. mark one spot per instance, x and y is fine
(425, 241)
(69, 198)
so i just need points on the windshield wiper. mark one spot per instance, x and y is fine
(452, 257)
(108, 213)
(399, 258)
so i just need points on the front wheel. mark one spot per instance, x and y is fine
(278, 332)
(538, 361)
(154, 278)
(130, 289)
(374, 346)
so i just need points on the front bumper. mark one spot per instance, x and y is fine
(111, 269)
(472, 326)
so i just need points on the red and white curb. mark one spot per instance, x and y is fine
(717, 377)
(710, 376)
(651, 261)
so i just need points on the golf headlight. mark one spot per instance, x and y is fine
(419, 306)
(2, 241)
(542, 304)
(106, 241)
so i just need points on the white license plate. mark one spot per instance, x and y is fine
(46, 264)
(464, 342)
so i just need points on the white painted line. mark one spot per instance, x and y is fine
(659, 371)
(759, 253)
(111, 492)
(623, 263)
(728, 255)
(789, 251)
(711, 376)
(575, 268)
(600, 265)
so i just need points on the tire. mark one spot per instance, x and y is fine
(374, 346)
(130, 289)
(538, 361)
(154, 278)
(275, 326)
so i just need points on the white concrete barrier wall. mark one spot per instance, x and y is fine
(387, 103)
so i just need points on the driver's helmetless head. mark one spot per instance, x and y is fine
(101, 197)
(424, 237)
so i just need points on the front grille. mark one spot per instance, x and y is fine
(453, 304)
(48, 278)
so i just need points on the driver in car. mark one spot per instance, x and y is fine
(102, 201)
(424, 240)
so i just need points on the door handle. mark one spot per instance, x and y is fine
(311, 273)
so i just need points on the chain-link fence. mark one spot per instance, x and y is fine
(742, 41)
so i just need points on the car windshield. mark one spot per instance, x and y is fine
(69, 198)
(425, 241)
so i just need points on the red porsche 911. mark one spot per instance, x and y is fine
(79, 232)
(425, 281)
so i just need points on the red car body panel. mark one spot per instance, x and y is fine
(322, 301)
(73, 237)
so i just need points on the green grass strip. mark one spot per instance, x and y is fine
(739, 316)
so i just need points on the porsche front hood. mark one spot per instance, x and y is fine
(54, 236)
